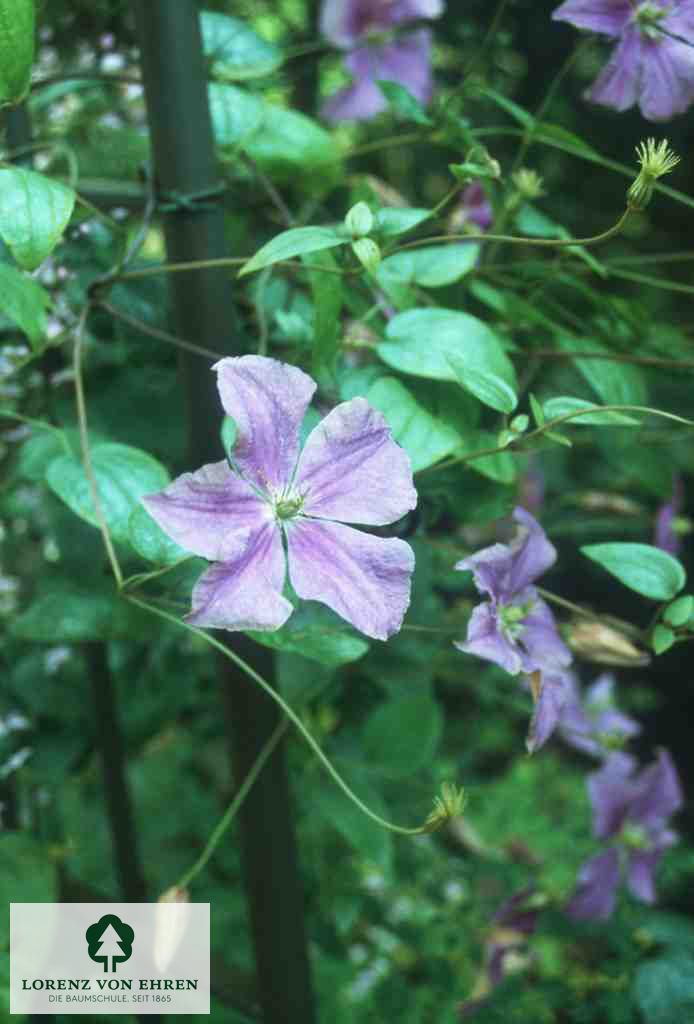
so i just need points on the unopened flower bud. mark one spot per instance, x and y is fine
(449, 804)
(655, 160)
(170, 921)
(368, 253)
(598, 642)
(478, 164)
(528, 183)
(359, 220)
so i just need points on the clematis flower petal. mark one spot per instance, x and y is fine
(553, 695)
(267, 400)
(596, 887)
(642, 867)
(617, 85)
(206, 511)
(405, 61)
(658, 793)
(667, 80)
(351, 469)
(486, 639)
(608, 17)
(533, 553)
(584, 724)
(611, 790)
(544, 648)
(345, 22)
(503, 570)
(363, 578)
(245, 590)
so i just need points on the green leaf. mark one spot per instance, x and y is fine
(326, 289)
(401, 736)
(16, 49)
(394, 220)
(500, 467)
(483, 383)
(65, 613)
(290, 145)
(537, 410)
(680, 611)
(34, 212)
(425, 437)
(423, 342)
(316, 633)
(402, 103)
(641, 567)
(664, 988)
(236, 50)
(24, 302)
(123, 474)
(236, 115)
(149, 540)
(562, 406)
(433, 266)
(614, 383)
(662, 640)
(294, 242)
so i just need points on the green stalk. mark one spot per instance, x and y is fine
(174, 75)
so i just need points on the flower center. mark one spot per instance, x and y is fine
(635, 837)
(511, 616)
(648, 15)
(287, 506)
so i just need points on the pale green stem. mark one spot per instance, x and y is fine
(288, 711)
(86, 451)
(230, 813)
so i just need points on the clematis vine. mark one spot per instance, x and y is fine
(649, 65)
(360, 28)
(241, 516)
(594, 724)
(515, 628)
(633, 810)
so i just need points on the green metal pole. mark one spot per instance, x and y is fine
(174, 76)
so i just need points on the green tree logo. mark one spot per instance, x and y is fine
(109, 938)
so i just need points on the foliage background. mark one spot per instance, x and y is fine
(397, 927)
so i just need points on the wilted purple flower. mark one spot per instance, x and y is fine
(515, 628)
(595, 724)
(474, 209)
(665, 536)
(648, 66)
(506, 947)
(633, 809)
(350, 471)
(357, 26)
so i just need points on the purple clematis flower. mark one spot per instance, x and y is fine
(515, 628)
(665, 536)
(648, 66)
(633, 810)
(595, 724)
(357, 27)
(349, 471)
